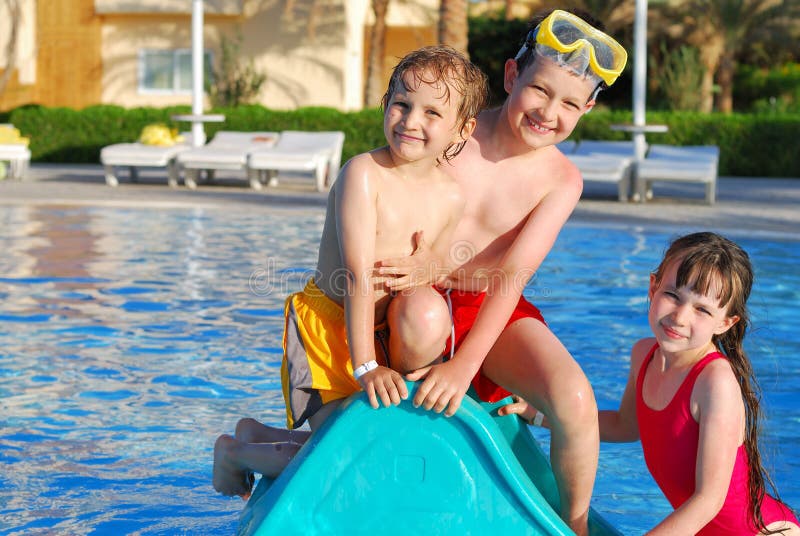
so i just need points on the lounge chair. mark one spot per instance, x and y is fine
(606, 161)
(139, 155)
(228, 150)
(669, 163)
(320, 152)
(17, 155)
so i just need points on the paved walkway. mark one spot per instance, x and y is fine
(748, 204)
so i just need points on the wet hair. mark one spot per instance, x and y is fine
(529, 56)
(446, 66)
(705, 259)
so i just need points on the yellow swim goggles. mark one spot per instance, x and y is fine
(566, 33)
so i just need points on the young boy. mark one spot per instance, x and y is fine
(380, 201)
(520, 190)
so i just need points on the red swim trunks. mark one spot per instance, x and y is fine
(465, 309)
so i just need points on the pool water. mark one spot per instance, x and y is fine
(131, 337)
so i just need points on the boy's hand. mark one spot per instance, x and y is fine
(386, 384)
(444, 387)
(419, 268)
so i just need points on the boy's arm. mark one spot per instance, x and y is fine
(446, 384)
(356, 222)
(621, 426)
(721, 417)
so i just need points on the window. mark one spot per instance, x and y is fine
(169, 71)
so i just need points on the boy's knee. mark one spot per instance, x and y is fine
(419, 314)
(419, 325)
(574, 403)
(244, 428)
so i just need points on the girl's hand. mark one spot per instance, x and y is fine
(526, 412)
(386, 384)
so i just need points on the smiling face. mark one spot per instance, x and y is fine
(421, 121)
(682, 319)
(545, 101)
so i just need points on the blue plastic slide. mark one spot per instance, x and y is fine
(403, 470)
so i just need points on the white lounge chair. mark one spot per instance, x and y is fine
(228, 150)
(139, 155)
(669, 163)
(17, 155)
(606, 161)
(320, 152)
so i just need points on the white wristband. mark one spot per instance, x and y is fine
(538, 419)
(363, 369)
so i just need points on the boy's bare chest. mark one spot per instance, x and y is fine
(499, 198)
(400, 214)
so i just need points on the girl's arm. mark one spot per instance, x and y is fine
(717, 405)
(621, 426)
(356, 223)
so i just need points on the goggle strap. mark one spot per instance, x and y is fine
(530, 39)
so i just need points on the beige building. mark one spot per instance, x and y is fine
(78, 53)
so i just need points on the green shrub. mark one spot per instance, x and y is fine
(750, 144)
(679, 75)
(235, 81)
(491, 42)
(775, 90)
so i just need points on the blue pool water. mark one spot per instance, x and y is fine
(131, 337)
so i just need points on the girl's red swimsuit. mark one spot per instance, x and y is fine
(669, 440)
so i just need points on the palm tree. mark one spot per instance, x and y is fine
(15, 18)
(723, 30)
(377, 49)
(616, 15)
(453, 24)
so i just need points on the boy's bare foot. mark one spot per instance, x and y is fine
(229, 478)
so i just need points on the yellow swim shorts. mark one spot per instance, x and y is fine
(316, 367)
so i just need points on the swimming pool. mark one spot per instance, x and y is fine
(132, 337)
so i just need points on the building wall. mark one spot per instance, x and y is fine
(69, 67)
(21, 83)
(312, 51)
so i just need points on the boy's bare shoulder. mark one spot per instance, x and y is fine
(363, 166)
(562, 168)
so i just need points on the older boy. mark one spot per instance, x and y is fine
(381, 199)
(520, 190)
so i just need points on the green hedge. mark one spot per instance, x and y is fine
(750, 145)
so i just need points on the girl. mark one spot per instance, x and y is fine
(692, 397)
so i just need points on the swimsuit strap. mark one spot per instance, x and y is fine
(687, 381)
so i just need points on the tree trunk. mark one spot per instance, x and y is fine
(710, 53)
(377, 50)
(727, 67)
(15, 18)
(509, 10)
(453, 24)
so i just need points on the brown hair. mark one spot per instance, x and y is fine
(705, 259)
(440, 63)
